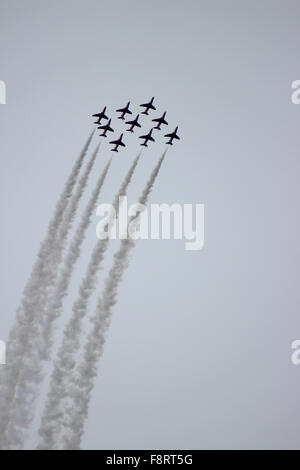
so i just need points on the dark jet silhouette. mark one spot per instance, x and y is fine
(133, 124)
(100, 116)
(160, 121)
(117, 143)
(124, 111)
(172, 136)
(148, 106)
(106, 129)
(147, 137)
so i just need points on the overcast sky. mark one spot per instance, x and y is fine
(198, 353)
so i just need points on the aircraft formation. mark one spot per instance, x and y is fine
(134, 123)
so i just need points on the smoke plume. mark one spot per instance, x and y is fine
(65, 362)
(20, 332)
(80, 388)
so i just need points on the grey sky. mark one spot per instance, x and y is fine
(198, 354)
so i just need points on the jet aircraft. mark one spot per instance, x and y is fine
(117, 143)
(148, 106)
(172, 135)
(160, 121)
(100, 116)
(133, 124)
(146, 138)
(124, 111)
(106, 129)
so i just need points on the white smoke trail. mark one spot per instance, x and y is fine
(65, 362)
(54, 308)
(19, 334)
(29, 374)
(82, 383)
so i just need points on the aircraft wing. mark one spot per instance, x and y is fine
(123, 145)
